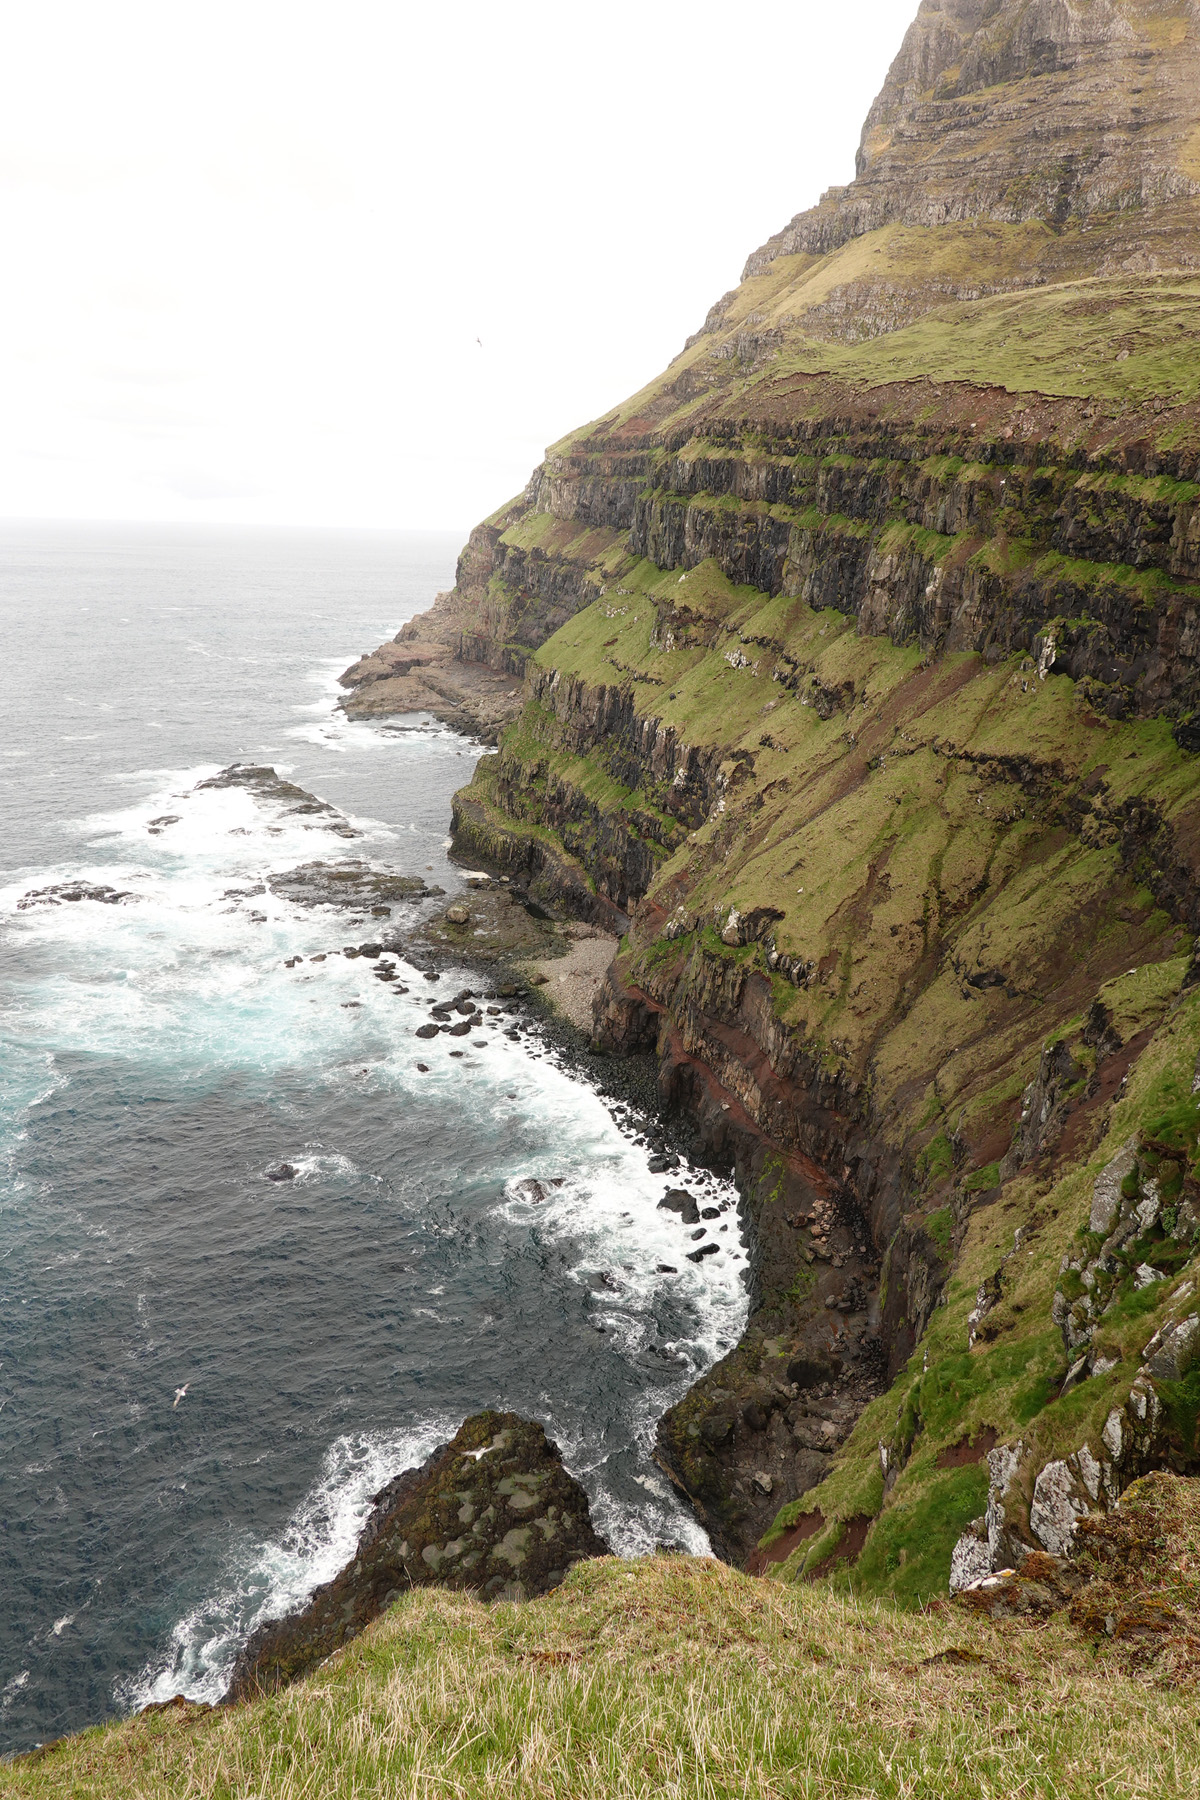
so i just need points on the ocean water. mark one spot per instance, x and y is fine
(157, 1058)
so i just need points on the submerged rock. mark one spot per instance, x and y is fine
(74, 890)
(493, 1511)
(353, 885)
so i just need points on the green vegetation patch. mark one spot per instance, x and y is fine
(671, 1676)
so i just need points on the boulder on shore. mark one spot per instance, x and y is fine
(494, 1511)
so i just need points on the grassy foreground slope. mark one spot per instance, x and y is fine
(671, 1677)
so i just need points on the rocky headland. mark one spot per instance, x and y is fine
(852, 679)
(493, 1512)
(846, 683)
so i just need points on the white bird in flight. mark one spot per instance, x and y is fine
(179, 1393)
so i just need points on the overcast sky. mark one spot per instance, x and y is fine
(357, 263)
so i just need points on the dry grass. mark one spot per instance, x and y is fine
(671, 1677)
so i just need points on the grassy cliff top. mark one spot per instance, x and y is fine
(1124, 343)
(671, 1676)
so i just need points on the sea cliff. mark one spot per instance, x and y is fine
(851, 670)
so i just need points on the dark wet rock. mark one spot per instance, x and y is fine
(426, 1031)
(422, 1068)
(494, 1511)
(280, 1172)
(461, 1029)
(370, 950)
(156, 826)
(493, 930)
(704, 1250)
(73, 890)
(810, 1372)
(678, 1200)
(529, 1189)
(262, 780)
(355, 886)
(533, 907)
(659, 1165)
(266, 784)
(665, 1269)
(710, 1212)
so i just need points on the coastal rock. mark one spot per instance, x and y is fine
(353, 886)
(678, 1200)
(74, 891)
(494, 1511)
(267, 785)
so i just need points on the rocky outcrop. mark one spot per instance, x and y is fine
(493, 1511)
(1125, 1580)
(1064, 112)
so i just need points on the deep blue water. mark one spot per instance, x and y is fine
(156, 1058)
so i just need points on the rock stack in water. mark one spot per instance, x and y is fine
(494, 1511)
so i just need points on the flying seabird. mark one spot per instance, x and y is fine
(179, 1393)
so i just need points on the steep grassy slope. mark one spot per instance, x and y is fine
(863, 694)
(667, 1677)
(879, 903)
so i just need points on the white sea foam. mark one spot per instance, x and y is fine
(12, 1688)
(651, 1522)
(272, 1577)
(192, 974)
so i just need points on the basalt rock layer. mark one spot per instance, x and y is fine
(862, 685)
